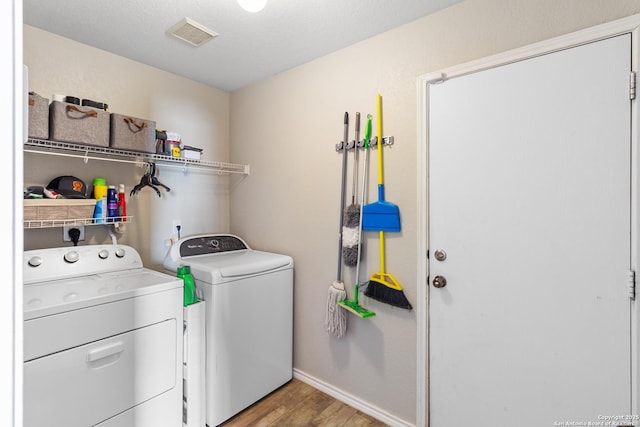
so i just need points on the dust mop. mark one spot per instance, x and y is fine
(351, 229)
(383, 216)
(335, 315)
(352, 305)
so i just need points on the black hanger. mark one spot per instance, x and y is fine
(154, 179)
(147, 180)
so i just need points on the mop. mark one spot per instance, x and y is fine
(335, 315)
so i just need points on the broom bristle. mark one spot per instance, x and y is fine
(385, 294)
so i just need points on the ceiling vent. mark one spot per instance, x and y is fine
(191, 32)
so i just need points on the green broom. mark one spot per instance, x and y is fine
(383, 286)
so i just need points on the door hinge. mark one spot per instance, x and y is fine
(632, 285)
(632, 85)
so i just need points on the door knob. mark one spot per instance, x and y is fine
(439, 282)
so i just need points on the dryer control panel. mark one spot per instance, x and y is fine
(205, 245)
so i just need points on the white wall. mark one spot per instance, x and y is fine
(291, 202)
(198, 112)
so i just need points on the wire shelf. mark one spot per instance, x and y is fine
(67, 149)
(52, 223)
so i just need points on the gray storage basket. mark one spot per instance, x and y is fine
(38, 116)
(82, 125)
(131, 133)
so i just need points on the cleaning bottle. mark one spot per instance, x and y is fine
(122, 204)
(112, 203)
(190, 296)
(98, 217)
(99, 188)
(103, 203)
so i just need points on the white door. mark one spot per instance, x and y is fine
(529, 194)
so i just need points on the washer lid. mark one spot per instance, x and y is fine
(225, 267)
(58, 296)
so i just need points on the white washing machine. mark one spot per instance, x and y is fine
(249, 319)
(102, 339)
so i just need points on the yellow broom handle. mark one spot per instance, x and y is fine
(382, 253)
(379, 114)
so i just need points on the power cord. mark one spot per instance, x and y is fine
(74, 235)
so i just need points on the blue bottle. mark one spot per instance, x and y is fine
(98, 212)
(112, 203)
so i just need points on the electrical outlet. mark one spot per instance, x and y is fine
(176, 231)
(65, 232)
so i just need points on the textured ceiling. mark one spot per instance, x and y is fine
(250, 46)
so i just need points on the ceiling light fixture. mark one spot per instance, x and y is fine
(252, 5)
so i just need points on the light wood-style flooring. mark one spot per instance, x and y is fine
(297, 404)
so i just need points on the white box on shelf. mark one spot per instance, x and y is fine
(190, 154)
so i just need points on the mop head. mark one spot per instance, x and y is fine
(351, 235)
(352, 216)
(356, 309)
(350, 256)
(335, 315)
(350, 243)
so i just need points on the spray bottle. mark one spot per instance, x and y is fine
(122, 204)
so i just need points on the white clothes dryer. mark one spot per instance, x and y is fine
(249, 319)
(102, 339)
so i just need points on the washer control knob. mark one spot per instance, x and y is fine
(103, 254)
(71, 257)
(120, 253)
(35, 261)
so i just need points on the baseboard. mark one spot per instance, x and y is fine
(351, 400)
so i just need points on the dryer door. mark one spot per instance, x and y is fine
(85, 385)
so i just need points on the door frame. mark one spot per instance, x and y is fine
(628, 25)
(12, 88)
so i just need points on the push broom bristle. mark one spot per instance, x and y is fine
(380, 292)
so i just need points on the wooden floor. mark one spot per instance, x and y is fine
(298, 404)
